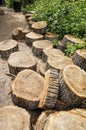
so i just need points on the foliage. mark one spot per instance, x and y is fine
(71, 48)
(55, 43)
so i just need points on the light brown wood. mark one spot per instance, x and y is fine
(72, 90)
(26, 89)
(30, 23)
(50, 36)
(79, 58)
(71, 39)
(28, 15)
(58, 62)
(66, 120)
(50, 52)
(43, 69)
(40, 27)
(49, 94)
(7, 47)
(31, 37)
(19, 33)
(14, 118)
(21, 60)
(60, 46)
(38, 46)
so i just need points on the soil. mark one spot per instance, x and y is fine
(9, 21)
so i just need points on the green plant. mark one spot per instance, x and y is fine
(55, 43)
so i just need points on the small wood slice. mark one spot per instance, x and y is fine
(60, 46)
(7, 47)
(58, 62)
(50, 36)
(14, 118)
(19, 33)
(30, 23)
(21, 60)
(42, 69)
(26, 89)
(40, 27)
(72, 86)
(71, 39)
(79, 58)
(50, 52)
(30, 18)
(42, 119)
(49, 94)
(39, 45)
(28, 15)
(65, 120)
(31, 37)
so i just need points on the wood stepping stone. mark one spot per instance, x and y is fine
(79, 58)
(72, 90)
(14, 118)
(43, 69)
(28, 15)
(50, 52)
(38, 46)
(19, 33)
(71, 39)
(21, 60)
(30, 23)
(50, 36)
(49, 94)
(66, 120)
(26, 89)
(31, 37)
(58, 62)
(40, 27)
(7, 47)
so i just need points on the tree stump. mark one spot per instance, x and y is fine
(28, 15)
(60, 46)
(21, 60)
(71, 39)
(30, 23)
(40, 27)
(58, 62)
(79, 58)
(50, 36)
(19, 33)
(2, 11)
(7, 47)
(31, 37)
(50, 52)
(14, 118)
(26, 89)
(39, 45)
(49, 94)
(42, 69)
(72, 91)
(66, 120)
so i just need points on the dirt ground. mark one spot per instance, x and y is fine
(8, 22)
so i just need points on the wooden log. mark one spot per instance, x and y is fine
(28, 15)
(14, 118)
(40, 27)
(26, 89)
(42, 69)
(38, 46)
(71, 39)
(49, 94)
(31, 37)
(72, 91)
(2, 11)
(50, 52)
(50, 36)
(30, 23)
(66, 120)
(79, 58)
(60, 46)
(21, 60)
(19, 33)
(58, 62)
(7, 47)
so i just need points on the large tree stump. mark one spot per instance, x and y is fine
(21, 60)
(72, 90)
(66, 120)
(71, 39)
(7, 47)
(50, 52)
(26, 89)
(39, 45)
(58, 62)
(19, 33)
(79, 58)
(43, 69)
(31, 37)
(14, 118)
(49, 94)
(40, 27)
(50, 36)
